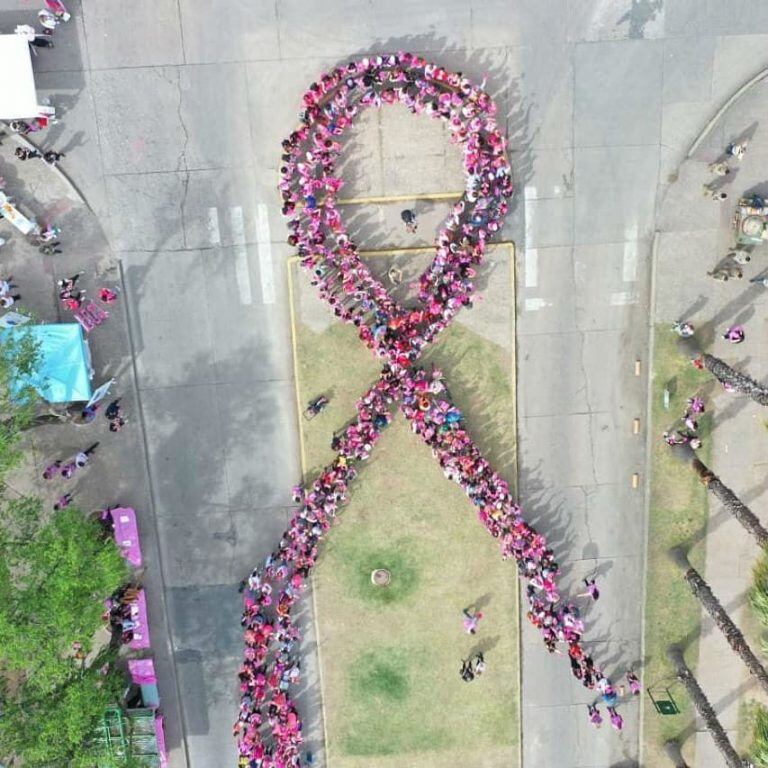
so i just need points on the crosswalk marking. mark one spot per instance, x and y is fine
(629, 261)
(531, 267)
(214, 235)
(242, 273)
(264, 245)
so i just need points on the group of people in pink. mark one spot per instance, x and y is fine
(268, 729)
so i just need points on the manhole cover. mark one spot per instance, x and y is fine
(381, 577)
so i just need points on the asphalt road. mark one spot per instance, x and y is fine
(172, 115)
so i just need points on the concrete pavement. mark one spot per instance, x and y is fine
(173, 112)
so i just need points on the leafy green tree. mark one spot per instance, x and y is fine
(54, 577)
(60, 729)
(51, 590)
(19, 360)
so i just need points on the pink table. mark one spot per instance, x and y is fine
(127, 534)
(139, 616)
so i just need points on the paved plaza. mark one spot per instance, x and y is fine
(172, 113)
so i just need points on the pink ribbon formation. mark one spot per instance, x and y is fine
(269, 730)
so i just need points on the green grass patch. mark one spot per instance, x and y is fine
(380, 674)
(758, 750)
(758, 593)
(391, 655)
(678, 515)
(398, 557)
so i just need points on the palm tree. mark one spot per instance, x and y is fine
(723, 372)
(730, 500)
(672, 748)
(733, 379)
(702, 592)
(704, 708)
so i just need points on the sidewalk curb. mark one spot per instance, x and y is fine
(647, 484)
(720, 112)
(23, 141)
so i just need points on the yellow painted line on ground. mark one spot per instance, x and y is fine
(295, 350)
(374, 199)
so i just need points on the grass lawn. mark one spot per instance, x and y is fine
(678, 514)
(391, 656)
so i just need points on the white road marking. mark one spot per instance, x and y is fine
(531, 267)
(629, 262)
(242, 273)
(531, 305)
(213, 226)
(264, 244)
(625, 297)
(531, 254)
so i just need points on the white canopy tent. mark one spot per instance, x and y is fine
(18, 97)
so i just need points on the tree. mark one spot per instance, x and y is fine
(731, 378)
(672, 749)
(61, 727)
(51, 589)
(704, 708)
(19, 361)
(54, 577)
(723, 372)
(703, 593)
(723, 493)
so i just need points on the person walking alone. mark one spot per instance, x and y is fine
(409, 219)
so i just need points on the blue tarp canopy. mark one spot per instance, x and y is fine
(63, 373)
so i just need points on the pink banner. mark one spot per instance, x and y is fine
(142, 671)
(160, 735)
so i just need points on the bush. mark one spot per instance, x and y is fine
(758, 751)
(758, 593)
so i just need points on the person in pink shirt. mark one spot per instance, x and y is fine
(471, 620)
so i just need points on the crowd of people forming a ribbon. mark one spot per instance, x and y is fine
(268, 730)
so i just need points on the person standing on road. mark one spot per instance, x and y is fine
(6, 286)
(591, 590)
(724, 273)
(7, 300)
(736, 150)
(708, 191)
(739, 255)
(595, 718)
(22, 153)
(719, 169)
(52, 157)
(734, 334)
(83, 457)
(408, 216)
